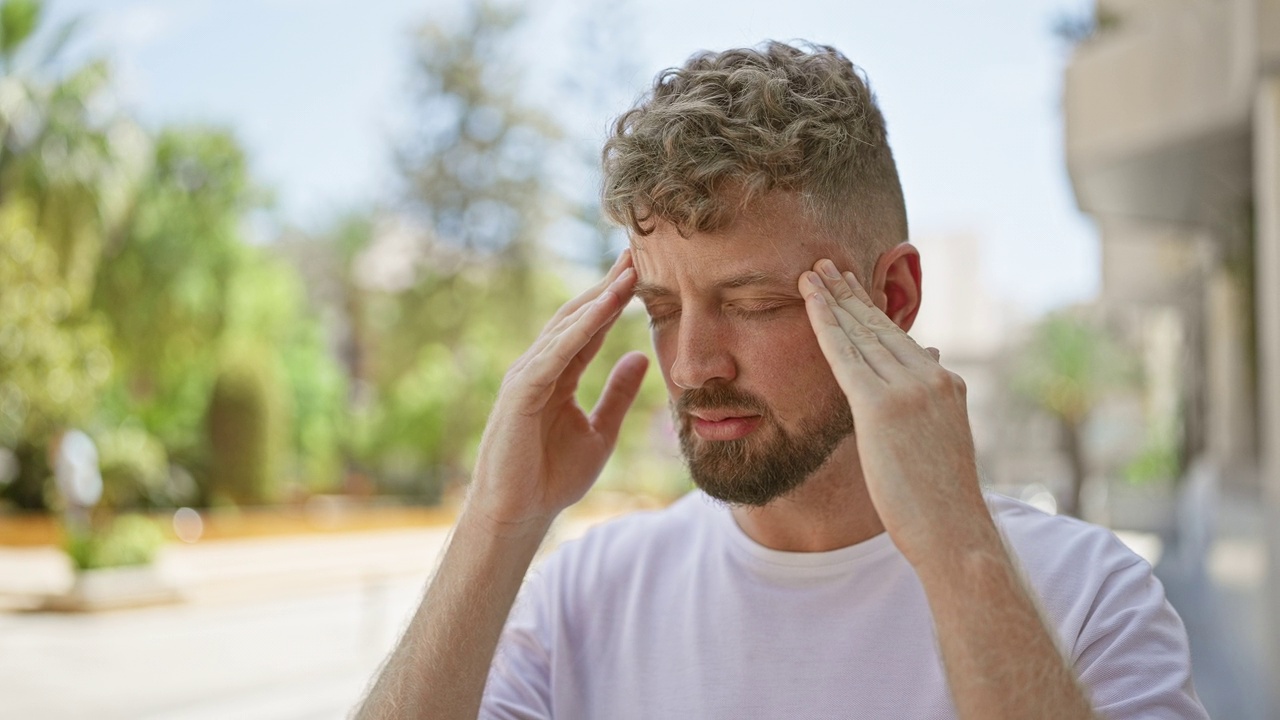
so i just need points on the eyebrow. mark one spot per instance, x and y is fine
(647, 290)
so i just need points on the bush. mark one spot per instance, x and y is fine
(246, 432)
(127, 540)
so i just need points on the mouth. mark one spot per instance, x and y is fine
(717, 425)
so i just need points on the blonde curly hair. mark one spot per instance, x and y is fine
(726, 128)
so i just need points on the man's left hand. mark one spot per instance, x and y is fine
(910, 419)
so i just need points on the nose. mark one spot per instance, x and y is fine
(703, 353)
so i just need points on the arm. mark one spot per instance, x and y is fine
(1000, 657)
(539, 454)
(913, 429)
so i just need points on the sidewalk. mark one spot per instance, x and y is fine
(1213, 574)
(278, 628)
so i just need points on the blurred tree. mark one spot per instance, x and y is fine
(65, 150)
(52, 363)
(246, 426)
(441, 297)
(598, 84)
(474, 164)
(1069, 363)
(67, 162)
(120, 246)
(166, 281)
(183, 290)
(441, 304)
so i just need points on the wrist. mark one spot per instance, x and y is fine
(974, 546)
(479, 520)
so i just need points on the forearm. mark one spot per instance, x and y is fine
(439, 667)
(1000, 658)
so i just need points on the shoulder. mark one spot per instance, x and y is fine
(1084, 576)
(1126, 642)
(1058, 547)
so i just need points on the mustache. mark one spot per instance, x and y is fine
(714, 397)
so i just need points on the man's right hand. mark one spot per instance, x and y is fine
(539, 454)
(540, 451)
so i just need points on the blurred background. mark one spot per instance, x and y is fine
(263, 265)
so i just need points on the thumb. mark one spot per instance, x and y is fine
(619, 392)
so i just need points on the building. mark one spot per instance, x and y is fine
(1173, 147)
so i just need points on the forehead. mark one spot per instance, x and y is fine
(769, 244)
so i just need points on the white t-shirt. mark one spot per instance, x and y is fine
(678, 614)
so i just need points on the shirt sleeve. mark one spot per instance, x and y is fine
(519, 683)
(1132, 653)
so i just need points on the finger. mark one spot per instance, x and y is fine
(855, 375)
(578, 365)
(936, 353)
(620, 392)
(619, 266)
(621, 286)
(902, 345)
(851, 296)
(547, 366)
(864, 339)
(826, 287)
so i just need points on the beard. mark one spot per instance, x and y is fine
(768, 463)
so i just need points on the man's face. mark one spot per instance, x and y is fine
(755, 403)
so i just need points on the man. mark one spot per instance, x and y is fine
(840, 558)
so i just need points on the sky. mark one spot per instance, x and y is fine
(317, 90)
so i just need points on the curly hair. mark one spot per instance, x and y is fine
(726, 128)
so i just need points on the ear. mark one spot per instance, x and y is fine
(895, 284)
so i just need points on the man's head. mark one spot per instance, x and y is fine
(733, 176)
(727, 128)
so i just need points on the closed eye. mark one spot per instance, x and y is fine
(752, 311)
(658, 318)
(747, 311)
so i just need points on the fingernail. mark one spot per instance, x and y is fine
(813, 278)
(851, 278)
(829, 268)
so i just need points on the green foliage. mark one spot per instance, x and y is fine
(1070, 362)
(440, 350)
(135, 469)
(246, 425)
(131, 306)
(52, 363)
(18, 20)
(127, 540)
(1157, 462)
(166, 285)
(319, 391)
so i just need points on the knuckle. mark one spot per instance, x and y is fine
(941, 380)
(849, 352)
(862, 332)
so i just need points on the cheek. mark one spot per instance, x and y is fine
(664, 348)
(784, 352)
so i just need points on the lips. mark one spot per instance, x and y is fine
(718, 415)
(722, 426)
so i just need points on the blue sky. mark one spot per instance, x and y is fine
(316, 90)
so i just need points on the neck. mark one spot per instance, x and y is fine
(831, 510)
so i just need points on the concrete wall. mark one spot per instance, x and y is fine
(1267, 179)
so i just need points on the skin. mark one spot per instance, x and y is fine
(788, 336)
